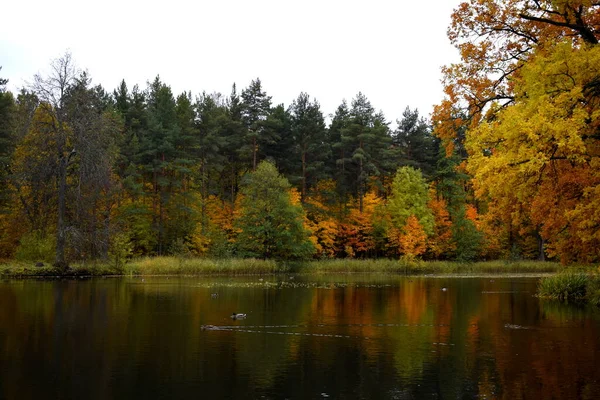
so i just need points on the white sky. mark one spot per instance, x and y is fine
(392, 51)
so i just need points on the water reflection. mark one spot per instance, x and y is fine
(332, 336)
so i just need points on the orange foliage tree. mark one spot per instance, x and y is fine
(545, 147)
(494, 37)
(440, 243)
(355, 237)
(412, 239)
(524, 99)
(320, 219)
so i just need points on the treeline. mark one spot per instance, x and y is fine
(89, 174)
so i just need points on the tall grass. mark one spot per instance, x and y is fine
(593, 291)
(417, 267)
(236, 266)
(564, 286)
(201, 266)
(571, 285)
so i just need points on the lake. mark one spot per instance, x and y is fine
(305, 337)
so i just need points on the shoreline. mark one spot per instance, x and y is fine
(175, 266)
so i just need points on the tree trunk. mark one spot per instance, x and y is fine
(541, 253)
(204, 196)
(303, 174)
(361, 194)
(254, 151)
(60, 261)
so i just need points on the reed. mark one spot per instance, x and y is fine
(237, 266)
(564, 286)
(418, 267)
(201, 266)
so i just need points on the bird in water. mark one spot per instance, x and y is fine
(444, 289)
(238, 316)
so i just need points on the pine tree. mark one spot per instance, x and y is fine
(7, 137)
(310, 149)
(418, 146)
(256, 107)
(450, 184)
(158, 150)
(234, 133)
(365, 144)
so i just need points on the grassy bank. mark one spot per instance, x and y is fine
(202, 266)
(416, 267)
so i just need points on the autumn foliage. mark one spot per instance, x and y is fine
(524, 101)
(508, 167)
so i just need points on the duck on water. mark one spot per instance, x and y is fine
(238, 316)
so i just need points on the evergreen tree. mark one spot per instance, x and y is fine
(256, 107)
(160, 164)
(234, 133)
(270, 225)
(279, 150)
(366, 147)
(450, 184)
(310, 146)
(211, 124)
(418, 146)
(337, 165)
(7, 138)
(134, 213)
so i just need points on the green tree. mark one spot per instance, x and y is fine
(451, 185)
(365, 145)
(165, 161)
(233, 132)
(256, 107)
(279, 149)
(310, 148)
(211, 124)
(414, 139)
(270, 225)
(337, 166)
(410, 197)
(7, 137)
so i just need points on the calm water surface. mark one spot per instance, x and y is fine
(369, 337)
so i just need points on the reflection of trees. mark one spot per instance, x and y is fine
(129, 338)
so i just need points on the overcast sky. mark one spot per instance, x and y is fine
(392, 51)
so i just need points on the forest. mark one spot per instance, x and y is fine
(507, 168)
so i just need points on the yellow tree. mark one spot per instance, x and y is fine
(537, 160)
(493, 38)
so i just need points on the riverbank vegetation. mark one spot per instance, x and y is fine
(508, 167)
(169, 265)
(571, 286)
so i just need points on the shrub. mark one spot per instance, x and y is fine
(121, 249)
(36, 247)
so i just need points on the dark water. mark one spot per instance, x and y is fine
(367, 337)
